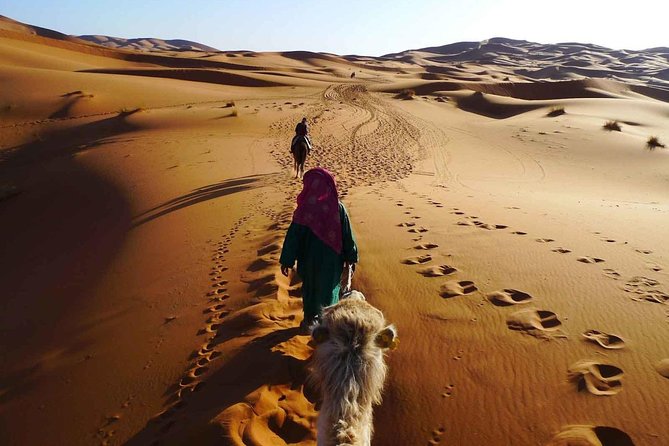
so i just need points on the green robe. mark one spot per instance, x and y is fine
(319, 266)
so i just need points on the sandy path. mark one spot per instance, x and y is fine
(192, 306)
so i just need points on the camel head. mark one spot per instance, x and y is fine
(353, 320)
(348, 367)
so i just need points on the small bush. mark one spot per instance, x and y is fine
(556, 111)
(612, 126)
(654, 142)
(406, 94)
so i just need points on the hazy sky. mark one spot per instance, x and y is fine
(369, 27)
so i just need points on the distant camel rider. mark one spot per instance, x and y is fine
(301, 131)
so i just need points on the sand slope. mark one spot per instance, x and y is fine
(516, 243)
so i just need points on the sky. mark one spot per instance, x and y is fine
(364, 27)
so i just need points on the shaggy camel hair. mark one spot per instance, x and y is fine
(349, 369)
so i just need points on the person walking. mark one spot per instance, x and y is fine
(321, 241)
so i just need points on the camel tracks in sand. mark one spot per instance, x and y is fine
(416, 260)
(426, 246)
(591, 260)
(508, 297)
(604, 340)
(646, 289)
(586, 435)
(560, 250)
(662, 367)
(538, 323)
(456, 288)
(597, 378)
(437, 271)
(611, 273)
(192, 381)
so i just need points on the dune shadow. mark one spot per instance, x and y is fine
(199, 195)
(65, 141)
(253, 366)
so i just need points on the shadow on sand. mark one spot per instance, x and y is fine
(199, 195)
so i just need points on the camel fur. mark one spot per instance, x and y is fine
(349, 369)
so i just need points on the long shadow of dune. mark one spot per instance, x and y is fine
(59, 236)
(252, 367)
(199, 195)
(65, 141)
(192, 74)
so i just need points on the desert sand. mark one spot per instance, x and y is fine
(519, 246)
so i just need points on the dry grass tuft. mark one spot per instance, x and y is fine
(654, 142)
(556, 111)
(613, 126)
(406, 94)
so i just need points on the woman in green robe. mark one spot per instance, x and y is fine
(321, 241)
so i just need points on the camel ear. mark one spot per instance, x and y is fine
(387, 338)
(320, 334)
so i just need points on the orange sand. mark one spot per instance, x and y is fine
(143, 201)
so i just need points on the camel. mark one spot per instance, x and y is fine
(300, 151)
(348, 368)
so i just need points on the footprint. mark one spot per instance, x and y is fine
(509, 296)
(418, 230)
(654, 267)
(436, 436)
(538, 323)
(465, 223)
(582, 435)
(561, 250)
(488, 226)
(407, 224)
(458, 213)
(598, 379)
(519, 233)
(586, 259)
(417, 259)
(605, 340)
(437, 271)
(646, 289)
(611, 273)
(215, 308)
(454, 288)
(662, 367)
(644, 251)
(544, 240)
(426, 246)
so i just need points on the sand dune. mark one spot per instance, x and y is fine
(516, 243)
(147, 44)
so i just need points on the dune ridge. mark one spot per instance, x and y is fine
(515, 242)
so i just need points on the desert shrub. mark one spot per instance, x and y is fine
(556, 111)
(406, 94)
(613, 126)
(654, 142)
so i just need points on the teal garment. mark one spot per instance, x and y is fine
(319, 266)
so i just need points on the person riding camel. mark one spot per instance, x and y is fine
(301, 131)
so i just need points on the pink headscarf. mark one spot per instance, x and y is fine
(318, 207)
